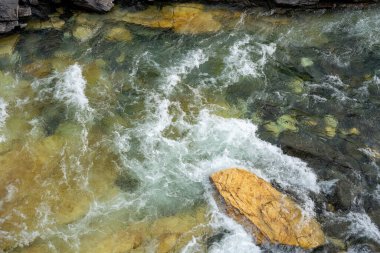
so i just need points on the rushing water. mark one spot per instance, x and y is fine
(108, 137)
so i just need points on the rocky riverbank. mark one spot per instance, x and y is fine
(14, 14)
(111, 124)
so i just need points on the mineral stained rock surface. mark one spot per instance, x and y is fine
(272, 216)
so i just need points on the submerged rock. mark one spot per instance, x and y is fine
(269, 214)
(83, 33)
(284, 123)
(43, 67)
(330, 126)
(297, 85)
(8, 44)
(53, 23)
(119, 34)
(43, 187)
(306, 62)
(165, 234)
(86, 26)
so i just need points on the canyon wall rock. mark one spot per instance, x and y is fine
(271, 216)
(14, 12)
(10, 12)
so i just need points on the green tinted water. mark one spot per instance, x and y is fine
(109, 130)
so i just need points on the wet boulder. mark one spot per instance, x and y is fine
(271, 216)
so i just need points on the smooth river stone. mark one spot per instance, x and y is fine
(269, 214)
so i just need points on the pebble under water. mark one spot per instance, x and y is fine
(110, 126)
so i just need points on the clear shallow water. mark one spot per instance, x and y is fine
(107, 143)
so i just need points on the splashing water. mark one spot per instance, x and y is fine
(68, 88)
(3, 117)
(114, 153)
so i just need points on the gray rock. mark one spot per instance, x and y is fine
(95, 5)
(9, 10)
(344, 195)
(24, 12)
(6, 27)
(296, 2)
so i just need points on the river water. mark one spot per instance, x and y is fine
(110, 126)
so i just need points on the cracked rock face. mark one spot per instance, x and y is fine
(270, 215)
(10, 12)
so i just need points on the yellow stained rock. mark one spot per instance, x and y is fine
(8, 44)
(43, 67)
(38, 69)
(52, 23)
(83, 33)
(86, 26)
(297, 85)
(167, 243)
(330, 126)
(170, 234)
(287, 122)
(353, 131)
(93, 71)
(119, 242)
(119, 34)
(311, 122)
(274, 128)
(271, 215)
(182, 18)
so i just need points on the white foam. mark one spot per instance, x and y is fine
(362, 225)
(68, 88)
(333, 83)
(3, 117)
(246, 58)
(358, 249)
(173, 75)
(327, 186)
(369, 152)
(236, 240)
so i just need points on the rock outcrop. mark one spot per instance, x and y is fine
(270, 215)
(95, 5)
(10, 13)
(13, 12)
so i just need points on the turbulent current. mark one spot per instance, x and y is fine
(110, 126)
